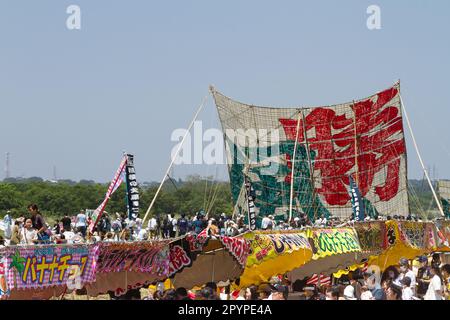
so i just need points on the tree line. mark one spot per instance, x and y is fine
(68, 198)
(188, 196)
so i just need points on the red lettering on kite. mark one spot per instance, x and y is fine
(378, 138)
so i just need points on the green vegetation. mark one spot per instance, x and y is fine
(66, 197)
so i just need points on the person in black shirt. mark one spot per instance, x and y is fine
(66, 222)
(183, 225)
(105, 224)
(38, 223)
(57, 227)
(423, 276)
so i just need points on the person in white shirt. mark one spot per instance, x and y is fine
(349, 292)
(28, 235)
(366, 294)
(152, 226)
(405, 271)
(80, 223)
(407, 293)
(97, 237)
(69, 236)
(434, 291)
(142, 235)
(174, 223)
(267, 223)
(7, 220)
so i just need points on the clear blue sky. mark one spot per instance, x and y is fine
(66, 97)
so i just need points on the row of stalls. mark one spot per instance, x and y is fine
(45, 271)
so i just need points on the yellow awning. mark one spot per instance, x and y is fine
(273, 254)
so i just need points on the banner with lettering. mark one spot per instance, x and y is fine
(403, 239)
(142, 256)
(132, 188)
(264, 246)
(251, 216)
(357, 203)
(180, 257)
(184, 251)
(114, 185)
(33, 267)
(238, 247)
(363, 138)
(274, 253)
(332, 241)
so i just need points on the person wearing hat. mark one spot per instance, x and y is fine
(423, 276)
(372, 281)
(405, 271)
(279, 292)
(407, 293)
(295, 224)
(221, 223)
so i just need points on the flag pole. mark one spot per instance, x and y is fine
(420, 159)
(293, 167)
(174, 158)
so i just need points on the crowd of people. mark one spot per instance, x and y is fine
(33, 228)
(213, 291)
(430, 281)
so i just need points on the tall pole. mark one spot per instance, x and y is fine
(420, 159)
(356, 145)
(311, 168)
(174, 158)
(293, 167)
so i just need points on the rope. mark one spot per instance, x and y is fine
(416, 201)
(213, 199)
(174, 158)
(420, 159)
(204, 194)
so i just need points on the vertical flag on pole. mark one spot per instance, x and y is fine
(251, 204)
(132, 188)
(115, 183)
(357, 201)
